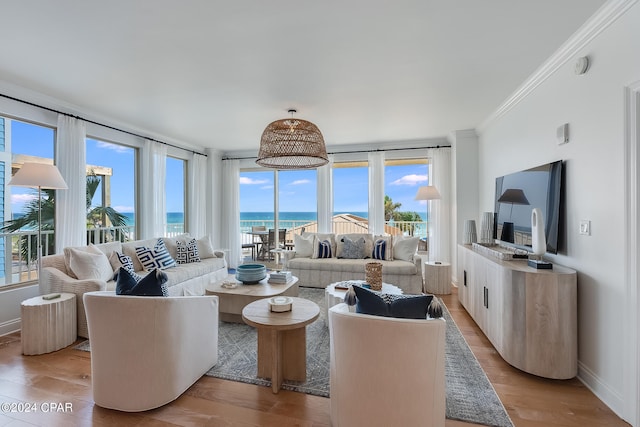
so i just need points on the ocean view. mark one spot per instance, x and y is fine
(178, 217)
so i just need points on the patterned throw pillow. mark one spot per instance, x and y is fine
(353, 249)
(388, 247)
(379, 249)
(324, 249)
(187, 252)
(118, 261)
(156, 257)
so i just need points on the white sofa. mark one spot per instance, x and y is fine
(386, 371)
(146, 351)
(183, 279)
(406, 273)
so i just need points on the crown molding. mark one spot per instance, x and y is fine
(27, 95)
(605, 16)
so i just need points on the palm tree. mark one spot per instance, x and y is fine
(392, 212)
(29, 220)
(390, 209)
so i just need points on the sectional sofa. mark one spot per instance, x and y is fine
(92, 268)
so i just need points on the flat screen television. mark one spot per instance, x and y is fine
(516, 196)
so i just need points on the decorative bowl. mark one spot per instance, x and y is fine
(251, 274)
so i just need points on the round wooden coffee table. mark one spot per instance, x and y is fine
(282, 339)
(233, 300)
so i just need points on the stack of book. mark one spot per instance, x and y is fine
(280, 277)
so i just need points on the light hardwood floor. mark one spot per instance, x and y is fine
(64, 376)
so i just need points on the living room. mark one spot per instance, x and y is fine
(518, 131)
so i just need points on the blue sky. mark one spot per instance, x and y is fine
(298, 189)
(37, 141)
(298, 192)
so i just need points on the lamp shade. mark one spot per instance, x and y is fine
(427, 192)
(292, 144)
(515, 196)
(39, 175)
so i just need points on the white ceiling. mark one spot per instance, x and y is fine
(214, 73)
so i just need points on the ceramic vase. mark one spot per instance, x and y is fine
(486, 228)
(469, 236)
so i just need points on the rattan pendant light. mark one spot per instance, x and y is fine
(292, 144)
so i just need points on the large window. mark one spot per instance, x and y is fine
(22, 142)
(175, 196)
(403, 214)
(350, 197)
(297, 201)
(111, 184)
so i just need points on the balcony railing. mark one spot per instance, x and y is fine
(407, 228)
(18, 267)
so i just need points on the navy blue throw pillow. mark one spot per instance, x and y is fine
(388, 305)
(324, 249)
(125, 282)
(379, 249)
(152, 285)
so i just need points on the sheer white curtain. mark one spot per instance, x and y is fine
(153, 209)
(230, 232)
(71, 204)
(376, 192)
(198, 196)
(325, 197)
(440, 221)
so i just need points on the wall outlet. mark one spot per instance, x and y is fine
(585, 227)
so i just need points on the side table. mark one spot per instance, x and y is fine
(282, 339)
(437, 278)
(48, 325)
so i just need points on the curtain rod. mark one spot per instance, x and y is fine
(53, 110)
(358, 151)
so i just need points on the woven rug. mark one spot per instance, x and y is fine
(470, 395)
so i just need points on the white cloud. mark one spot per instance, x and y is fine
(267, 187)
(413, 179)
(23, 198)
(115, 147)
(250, 181)
(300, 182)
(123, 209)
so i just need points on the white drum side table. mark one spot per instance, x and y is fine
(48, 325)
(437, 278)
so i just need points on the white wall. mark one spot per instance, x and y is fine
(524, 136)
(464, 185)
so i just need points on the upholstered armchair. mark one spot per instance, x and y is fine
(386, 371)
(147, 351)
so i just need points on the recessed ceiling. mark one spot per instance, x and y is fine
(214, 74)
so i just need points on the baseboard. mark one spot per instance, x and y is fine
(609, 397)
(10, 326)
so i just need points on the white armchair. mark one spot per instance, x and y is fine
(386, 371)
(146, 351)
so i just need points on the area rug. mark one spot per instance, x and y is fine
(470, 396)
